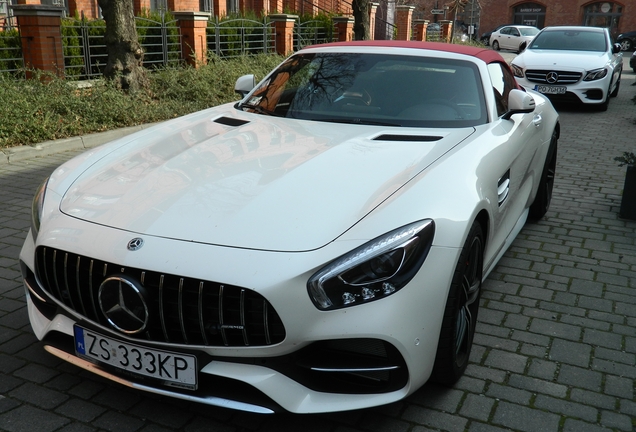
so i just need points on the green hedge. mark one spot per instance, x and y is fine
(10, 52)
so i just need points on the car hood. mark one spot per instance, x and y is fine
(243, 180)
(561, 59)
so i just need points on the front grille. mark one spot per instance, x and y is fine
(181, 310)
(564, 77)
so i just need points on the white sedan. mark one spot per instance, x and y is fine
(572, 65)
(512, 37)
(318, 246)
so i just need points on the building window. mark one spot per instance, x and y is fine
(603, 14)
(532, 14)
(205, 5)
(158, 5)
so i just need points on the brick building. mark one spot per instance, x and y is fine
(488, 14)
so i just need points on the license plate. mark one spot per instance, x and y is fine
(551, 89)
(172, 369)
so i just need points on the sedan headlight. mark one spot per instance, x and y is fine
(517, 70)
(375, 270)
(595, 74)
(36, 208)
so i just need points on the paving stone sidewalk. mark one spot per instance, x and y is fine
(555, 348)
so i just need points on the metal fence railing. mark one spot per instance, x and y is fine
(313, 33)
(11, 59)
(86, 55)
(237, 37)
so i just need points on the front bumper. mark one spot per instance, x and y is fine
(320, 364)
(586, 92)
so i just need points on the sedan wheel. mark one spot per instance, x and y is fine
(495, 45)
(626, 45)
(460, 315)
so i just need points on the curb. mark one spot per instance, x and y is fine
(46, 148)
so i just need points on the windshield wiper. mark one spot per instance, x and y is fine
(359, 121)
(259, 109)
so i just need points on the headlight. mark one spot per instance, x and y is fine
(36, 208)
(595, 74)
(517, 71)
(375, 270)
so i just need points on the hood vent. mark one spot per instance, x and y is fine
(229, 121)
(421, 138)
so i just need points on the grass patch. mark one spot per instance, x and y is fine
(40, 110)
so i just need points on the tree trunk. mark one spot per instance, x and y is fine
(360, 19)
(125, 54)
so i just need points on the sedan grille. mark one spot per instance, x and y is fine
(180, 310)
(557, 77)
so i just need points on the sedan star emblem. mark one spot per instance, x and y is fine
(552, 77)
(122, 303)
(135, 244)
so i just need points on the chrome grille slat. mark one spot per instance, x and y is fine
(181, 321)
(182, 310)
(565, 77)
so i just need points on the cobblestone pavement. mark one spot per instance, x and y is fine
(555, 348)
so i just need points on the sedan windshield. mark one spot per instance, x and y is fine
(571, 40)
(372, 89)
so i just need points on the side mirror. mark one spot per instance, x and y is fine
(244, 84)
(519, 102)
(616, 48)
(523, 46)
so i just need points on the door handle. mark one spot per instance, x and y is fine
(537, 120)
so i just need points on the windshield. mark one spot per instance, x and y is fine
(528, 31)
(578, 40)
(376, 89)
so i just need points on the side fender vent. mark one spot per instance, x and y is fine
(421, 138)
(229, 121)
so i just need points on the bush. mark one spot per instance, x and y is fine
(48, 108)
(10, 51)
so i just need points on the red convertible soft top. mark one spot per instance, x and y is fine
(485, 54)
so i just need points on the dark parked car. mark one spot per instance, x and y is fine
(632, 61)
(627, 40)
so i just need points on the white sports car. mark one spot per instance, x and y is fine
(318, 246)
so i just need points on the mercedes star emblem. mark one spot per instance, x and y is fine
(135, 244)
(122, 303)
(552, 77)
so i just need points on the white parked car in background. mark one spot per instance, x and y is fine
(572, 65)
(512, 37)
(318, 246)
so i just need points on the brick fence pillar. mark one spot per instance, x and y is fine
(420, 30)
(41, 37)
(446, 30)
(344, 28)
(373, 9)
(284, 27)
(194, 45)
(404, 17)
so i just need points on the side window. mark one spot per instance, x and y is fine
(502, 82)
(514, 32)
(504, 31)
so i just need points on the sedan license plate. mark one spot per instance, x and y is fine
(173, 369)
(551, 89)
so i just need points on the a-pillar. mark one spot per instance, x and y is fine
(194, 45)
(446, 30)
(284, 28)
(41, 37)
(420, 30)
(344, 28)
(404, 17)
(373, 9)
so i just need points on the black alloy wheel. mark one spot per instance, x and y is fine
(542, 200)
(460, 314)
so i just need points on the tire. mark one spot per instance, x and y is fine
(495, 45)
(605, 104)
(542, 200)
(460, 314)
(626, 44)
